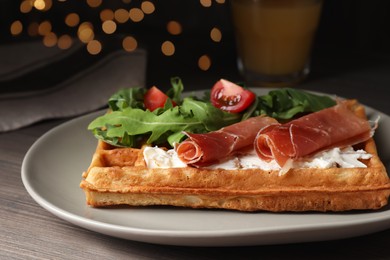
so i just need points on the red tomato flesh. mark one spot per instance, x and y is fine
(154, 98)
(231, 97)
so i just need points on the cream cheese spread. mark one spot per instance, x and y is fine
(156, 157)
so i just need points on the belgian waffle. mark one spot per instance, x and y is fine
(119, 176)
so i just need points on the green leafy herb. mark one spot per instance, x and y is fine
(129, 124)
(131, 97)
(287, 103)
(175, 92)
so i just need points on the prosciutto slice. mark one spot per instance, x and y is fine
(203, 149)
(336, 126)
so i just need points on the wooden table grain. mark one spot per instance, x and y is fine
(27, 231)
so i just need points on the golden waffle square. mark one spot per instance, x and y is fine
(119, 176)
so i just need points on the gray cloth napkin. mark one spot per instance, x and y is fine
(17, 59)
(83, 92)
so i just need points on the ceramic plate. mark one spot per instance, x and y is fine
(51, 173)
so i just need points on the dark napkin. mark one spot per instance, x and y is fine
(58, 84)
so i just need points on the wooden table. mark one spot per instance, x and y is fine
(27, 231)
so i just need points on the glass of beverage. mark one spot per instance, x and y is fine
(274, 39)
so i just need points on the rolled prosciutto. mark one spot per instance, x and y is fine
(336, 126)
(204, 149)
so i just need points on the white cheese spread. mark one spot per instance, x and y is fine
(336, 157)
(156, 157)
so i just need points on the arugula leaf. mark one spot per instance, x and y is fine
(175, 92)
(211, 117)
(131, 97)
(287, 103)
(125, 127)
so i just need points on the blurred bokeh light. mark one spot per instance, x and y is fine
(63, 23)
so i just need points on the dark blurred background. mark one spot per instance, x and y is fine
(353, 34)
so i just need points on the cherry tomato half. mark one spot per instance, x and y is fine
(231, 97)
(155, 98)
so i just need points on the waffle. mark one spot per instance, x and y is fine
(119, 176)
